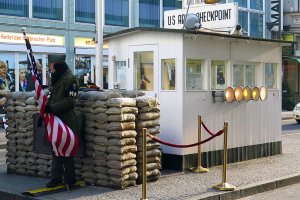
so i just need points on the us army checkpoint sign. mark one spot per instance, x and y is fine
(218, 17)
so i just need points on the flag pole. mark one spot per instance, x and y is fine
(99, 44)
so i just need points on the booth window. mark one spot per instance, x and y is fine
(194, 74)
(271, 75)
(168, 75)
(120, 77)
(244, 75)
(218, 75)
(143, 62)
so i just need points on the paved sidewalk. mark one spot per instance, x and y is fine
(3, 139)
(250, 177)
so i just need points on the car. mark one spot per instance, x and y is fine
(296, 113)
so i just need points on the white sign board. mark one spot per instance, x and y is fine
(194, 3)
(219, 17)
(17, 38)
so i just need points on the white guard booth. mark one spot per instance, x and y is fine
(182, 69)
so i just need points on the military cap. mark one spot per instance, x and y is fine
(53, 58)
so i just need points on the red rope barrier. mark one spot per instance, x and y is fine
(187, 145)
(209, 132)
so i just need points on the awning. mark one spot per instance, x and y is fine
(291, 58)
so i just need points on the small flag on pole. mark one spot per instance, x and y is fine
(64, 141)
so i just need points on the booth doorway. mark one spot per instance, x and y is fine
(144, 68)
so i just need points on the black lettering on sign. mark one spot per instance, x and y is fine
(275, 13)
(173, 20)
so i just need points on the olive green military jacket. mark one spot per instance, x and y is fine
(62, 100)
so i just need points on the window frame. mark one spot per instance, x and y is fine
(275, 84)
(212, 87)
(57, 20)
(116, 73)
(244, 64)
(79, 22)
(162, 75)
(19, 16)
(203, 71)
(30, 13)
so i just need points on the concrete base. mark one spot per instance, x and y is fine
(214, 158)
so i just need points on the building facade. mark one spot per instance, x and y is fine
(291, 56)
(68, 27)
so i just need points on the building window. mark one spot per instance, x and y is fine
(194, 74)
(85, 11)
(83, 69)
(14, 7)
(256, 26)
(120, 77)
(50, 9)
(242, 3)
(256, 4)
(218, 75)
(7, 71)
(117, 12)
(171, 5)
(143, 62)
(243, 20)
(168, 75)
(291, 74)
(149, 11)
(24, 79)
(271, 75)
(244, 75)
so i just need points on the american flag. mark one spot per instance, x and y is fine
(64, 141)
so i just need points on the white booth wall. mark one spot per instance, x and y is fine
(249, 122)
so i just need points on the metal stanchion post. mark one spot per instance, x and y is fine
(224, 186)
(199, 168)
(144, 165)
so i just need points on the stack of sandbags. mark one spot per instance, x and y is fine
(31, 157)
(94, 109)
(101, 139)
(121, 142)
(131, 93)
(148, 117)
(84, 105)
(43, 163)
(11, 132)
(20, 107)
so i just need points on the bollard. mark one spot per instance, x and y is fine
(224, 186)
(199, 168)
(144, 165)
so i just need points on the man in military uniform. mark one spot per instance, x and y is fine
(61, 102)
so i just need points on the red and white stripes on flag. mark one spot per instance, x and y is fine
(64, 141)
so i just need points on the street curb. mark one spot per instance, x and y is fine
(287, 118)
(11, 196)
(255, 188)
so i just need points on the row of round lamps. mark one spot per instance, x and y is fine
(238, 94)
